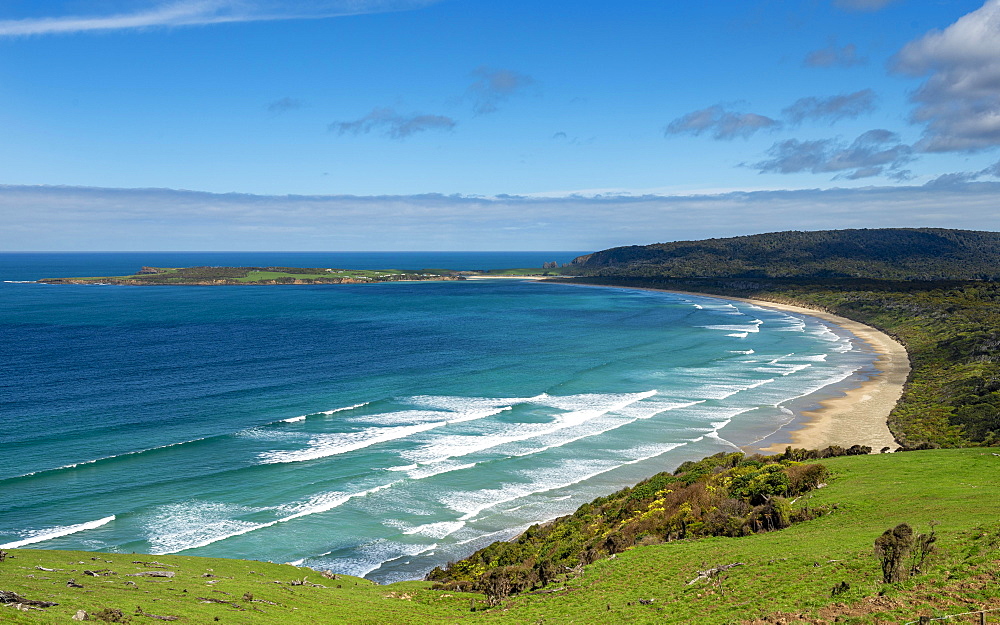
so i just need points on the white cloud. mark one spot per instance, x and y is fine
(960, 100)
(723, 124)
(74, 218)
(120, 15)
(831, 108)
(873, 153)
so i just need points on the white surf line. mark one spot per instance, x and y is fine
(416, 417)
(625, 420)
(470, 516)
(417, 472)
(401, 551)
(105, 458)
(56, 532)
(322, 412)
(324, 507)
(439, 530)
(325, 445)
(460, 403)
(563, 421)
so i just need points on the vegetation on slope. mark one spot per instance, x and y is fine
(888, 254)
(722, 495)
(790, 576)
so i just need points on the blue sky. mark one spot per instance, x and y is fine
(462, 124)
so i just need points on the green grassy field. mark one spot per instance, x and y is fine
(786, 576)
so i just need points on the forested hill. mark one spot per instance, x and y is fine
(886, 253)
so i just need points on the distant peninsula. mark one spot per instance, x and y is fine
(215, 276)
(218, 276)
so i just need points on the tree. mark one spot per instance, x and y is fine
(894, 548)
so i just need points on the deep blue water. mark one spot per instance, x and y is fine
(376, 429)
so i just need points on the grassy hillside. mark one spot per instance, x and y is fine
(794, 571)
(787, 574)
(887, 253)
(727, 494)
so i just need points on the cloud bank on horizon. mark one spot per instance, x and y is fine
(454, 112)
(134, 219)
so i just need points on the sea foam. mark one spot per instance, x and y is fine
(37, 536)
(325, 445)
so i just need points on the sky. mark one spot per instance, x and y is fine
(463, 124)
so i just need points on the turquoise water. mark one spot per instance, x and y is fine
(374, 430)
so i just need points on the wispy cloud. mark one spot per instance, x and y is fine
(958, 102)
(963, 177)
(111, 15)
(862, 5)
(73, 218)
(992, 170)
(720, 123)
(832, 56)
(832, 109)
(874, 153)
(494, 87)
(284, 105)
(393, 124)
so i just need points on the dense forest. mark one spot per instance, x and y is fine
(889, 253)
(948, 322)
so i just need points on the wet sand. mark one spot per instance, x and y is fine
(859, 416)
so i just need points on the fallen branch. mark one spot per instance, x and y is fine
(211, 600)
(710, 573)
(7, 596)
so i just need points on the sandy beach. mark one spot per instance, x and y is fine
(859, 416)
(858, 412)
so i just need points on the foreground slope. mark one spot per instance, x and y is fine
(789, 573)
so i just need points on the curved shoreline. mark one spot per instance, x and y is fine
(860, 414)
(855, 412)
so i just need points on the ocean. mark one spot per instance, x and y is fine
(373, 429)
